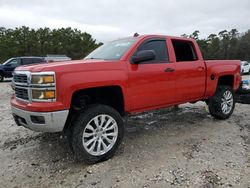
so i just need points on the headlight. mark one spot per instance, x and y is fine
(43, 87)
(43, 94)
(42, 79)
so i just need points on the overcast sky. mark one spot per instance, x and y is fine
(111, 19)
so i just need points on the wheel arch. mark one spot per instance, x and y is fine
(227, 80)
(3, 75)
(112, 96)
(108, 95)
(1, 71)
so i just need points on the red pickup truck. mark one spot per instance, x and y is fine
(88, 98)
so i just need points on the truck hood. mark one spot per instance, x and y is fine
(69, 66)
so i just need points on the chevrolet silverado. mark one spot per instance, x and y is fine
(87, 99)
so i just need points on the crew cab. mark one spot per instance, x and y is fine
(87, 99)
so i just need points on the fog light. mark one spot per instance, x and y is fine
(37, 119)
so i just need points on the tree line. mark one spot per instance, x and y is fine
(224, 45)
(24, 41)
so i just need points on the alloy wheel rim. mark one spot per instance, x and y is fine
(100, 135)
(227, 102)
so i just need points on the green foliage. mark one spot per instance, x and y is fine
(224, 45)
(24, 41)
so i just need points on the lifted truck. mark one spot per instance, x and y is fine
(88, 98)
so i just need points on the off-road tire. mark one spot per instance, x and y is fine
(215, 103)
(78, 128)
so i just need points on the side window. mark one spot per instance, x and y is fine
(246, 63)
(184, 50)
(14, 63)
(37, 60)
(160, 48)
(26, 61)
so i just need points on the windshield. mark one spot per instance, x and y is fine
(112, 50)
(6, 62)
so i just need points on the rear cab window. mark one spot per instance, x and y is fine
(184, 50)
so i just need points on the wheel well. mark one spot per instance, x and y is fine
(226, 80)
(108, 95)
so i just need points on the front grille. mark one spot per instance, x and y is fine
(21, 78)
(22, 93)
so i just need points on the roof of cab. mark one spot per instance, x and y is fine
(164, 36)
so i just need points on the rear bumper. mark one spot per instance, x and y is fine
(40, 121)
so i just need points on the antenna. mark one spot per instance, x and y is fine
(136, 34)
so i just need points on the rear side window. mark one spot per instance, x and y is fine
(37, 60)
(246, 63)
(160, 48)
(184, 50)
(26, 61)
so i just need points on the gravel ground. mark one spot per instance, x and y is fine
(183, 147)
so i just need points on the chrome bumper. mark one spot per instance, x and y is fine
(53, 121)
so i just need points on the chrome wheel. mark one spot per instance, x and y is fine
(227, 102)
(100, 135)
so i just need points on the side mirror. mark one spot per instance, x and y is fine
(144, 55)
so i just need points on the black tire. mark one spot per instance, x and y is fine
(79, 129)
(1, 77)
(215, 103)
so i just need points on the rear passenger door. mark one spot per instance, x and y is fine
(190, 71)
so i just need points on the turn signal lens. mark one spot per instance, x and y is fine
(49, 94)
(43, 94)
(48, 79)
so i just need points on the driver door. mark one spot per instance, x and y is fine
(152, 83)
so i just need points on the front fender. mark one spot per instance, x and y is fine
(69, 83)
(2, 71)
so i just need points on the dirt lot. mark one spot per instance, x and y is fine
(168, 148)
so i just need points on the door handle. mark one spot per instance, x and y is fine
(169, 70)
(200, 68)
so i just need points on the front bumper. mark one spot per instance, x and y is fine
(52, 121)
